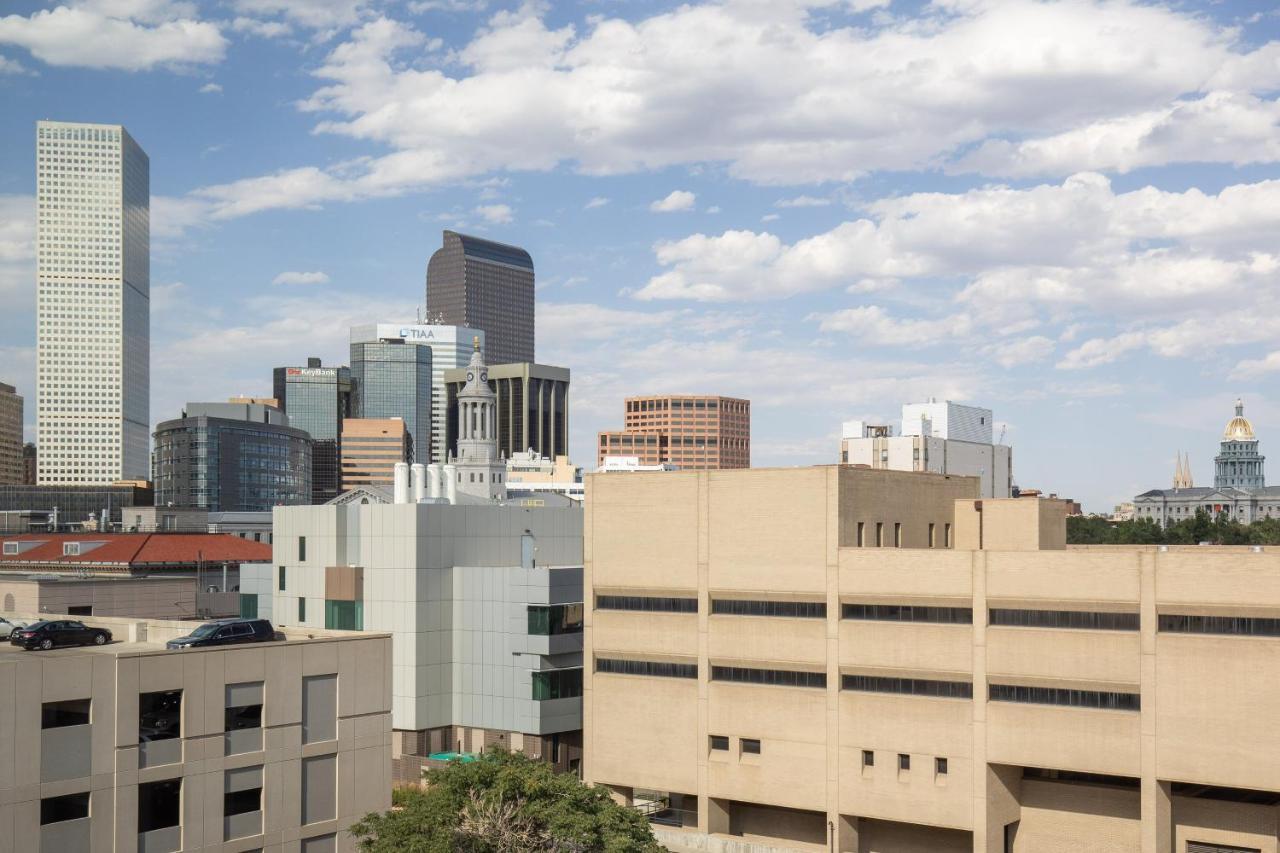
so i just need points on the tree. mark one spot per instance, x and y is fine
(1202, 527)
(505, 802)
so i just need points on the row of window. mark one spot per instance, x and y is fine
(658, 669)
(862, 540)
(904, 762)
(1000, 617)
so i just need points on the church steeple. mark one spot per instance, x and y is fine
(1182, 472)
(481, 473)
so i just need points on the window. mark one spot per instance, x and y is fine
(933, 543)
(160, 715)
(319, 788)
(244, 799)
(647, 604)
(283, 575)
(940, 766)
(80, 610)
(248, 606)
(946, 535)
(344, 615)
(70, 712)
(159, 805)
(774, 677)
(719, 742)
(908, 613)
(1064, 696)
(302, 610)
(1065, 619)
(862, 534)
(557, 684)
(1238, 625)
(319, 708)
(879, 534)
(548, 620)
(10, 548)
(244, 706)
(904, 761)
(71, 549)
(868, 758)
(897, 534)
(908, 686)
(302, 549)
(64, 808)
(659, 669)
(797, 609)
(750, 746)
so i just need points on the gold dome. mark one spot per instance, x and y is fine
(1238, 428)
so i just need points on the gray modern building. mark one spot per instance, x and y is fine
(75, 505)
(231, 457)
(482, 596)
(1239, 484)
(93, 304)
(316, 399)
(391, 378)
(11, 457)
(533, 408)
(484, 285)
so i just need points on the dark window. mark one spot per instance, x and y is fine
(933, 543)
(879, 534)
(908, 613)
(1074, 777)
(160, 715)
(940, 766)
(750, 746)
(862, 534)
(778, 677)
(557, 684)
(1238, 625)
(344, 615)
(68, 807)
(868, 758)
(798, 609)
(1228, 795)
(647, 667)
(904, 761)
(71, 712)
(1065, 619)
(80, 610)
(908, 686)
(946, 536)
(248, 606)
(897, 534)
(648, 604)
(548, 620)
(719, 742)
(159, 805)
(283, 573)
(302, 609)
(241, 802)
(1065, 696)
(302, 548)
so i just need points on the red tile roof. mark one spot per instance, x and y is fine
(139, 549)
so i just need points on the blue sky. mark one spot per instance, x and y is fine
(1066, 211)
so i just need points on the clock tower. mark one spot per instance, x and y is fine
(480, 472)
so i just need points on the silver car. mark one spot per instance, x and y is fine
(7, 626)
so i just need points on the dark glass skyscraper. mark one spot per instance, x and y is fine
(316, 399)
(393, 380)
(484, 285)
(231, 457)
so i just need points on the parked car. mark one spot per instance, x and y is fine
(226, 632)
(7, 626)
(50, 635)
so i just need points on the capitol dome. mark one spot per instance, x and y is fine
(1239, 428)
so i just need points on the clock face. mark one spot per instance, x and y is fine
(484, 376)
(471, 377)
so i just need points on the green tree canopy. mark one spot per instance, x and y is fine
(502, 803)
(1222, 530)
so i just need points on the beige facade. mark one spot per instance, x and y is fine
(371, 447)
(129, 747)
(11, 464)
(156, 597)
(758, 671)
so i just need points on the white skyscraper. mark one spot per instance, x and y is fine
(93, 304)
(450, 348)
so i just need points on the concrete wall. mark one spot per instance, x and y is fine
(1206, 705)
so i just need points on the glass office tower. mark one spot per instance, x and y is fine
(485, 285)
(93, 304)
(393, 380)
(316, 399)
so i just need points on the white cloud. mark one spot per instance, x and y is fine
(17, 247)
(715, 208)
(770, 217)
(11, 66)
(1021, 351)
(210, 89)
(598, 201)
(1098, 351)
(676, 200)
(262, 29)
(132, 35)
(495, 214)
(1251, 368)
(872, 325)
(802, 201)
(316, 14)
(301, 278)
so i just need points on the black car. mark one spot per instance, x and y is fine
(226, 632)
(50, 635)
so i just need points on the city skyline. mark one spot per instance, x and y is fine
(1090, 257)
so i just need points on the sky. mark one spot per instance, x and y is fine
(1064, 211)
